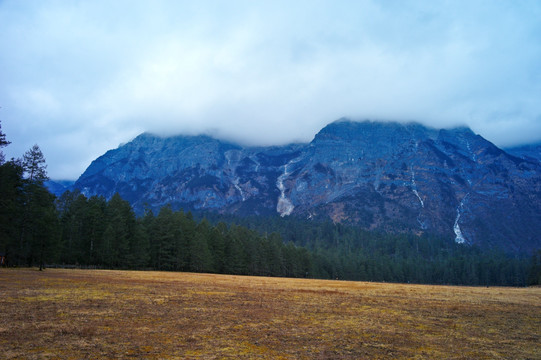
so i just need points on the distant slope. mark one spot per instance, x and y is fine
(58, 187)
(387, 176)
(529, 152)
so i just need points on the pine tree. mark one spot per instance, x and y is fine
(273, 255)
(11, 209)
(534, 273)
(234, 255)
(148, 225)
(139, 248)
(200, 257)
(216, 246)
(121, 218)
(44, 227)
(38, 235)
(184, 239)
(94, 228)
(34, 165)
(105, 251)
(3, 143)
(164, 237)
(73, 222)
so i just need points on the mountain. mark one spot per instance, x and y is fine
(529, 152)
(378, 175)
(58, 187)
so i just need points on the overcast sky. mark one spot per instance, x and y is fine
(81, 77)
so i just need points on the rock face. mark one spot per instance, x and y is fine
(386, 176)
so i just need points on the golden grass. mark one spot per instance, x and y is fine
(90, 314)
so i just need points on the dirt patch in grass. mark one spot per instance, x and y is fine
(90, 314)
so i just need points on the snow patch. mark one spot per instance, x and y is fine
(420, 200)
(236, 184)
(257, 164)
(414, 188)
(459, 237)
(421, 222)
(473, 157)
(420, 216)
(285, 206)
(234, 155)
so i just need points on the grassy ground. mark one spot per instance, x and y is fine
(89, 314)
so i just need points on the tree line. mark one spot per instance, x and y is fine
(37, 229)
(28, 216)
(352, 253)
(96, 232)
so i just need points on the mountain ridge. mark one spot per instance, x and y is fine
(378, 175)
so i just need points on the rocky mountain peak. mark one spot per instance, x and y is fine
(401, 177)
(375, 131)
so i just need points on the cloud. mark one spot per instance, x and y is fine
(81, 77)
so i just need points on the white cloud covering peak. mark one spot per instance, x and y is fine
(80, 77)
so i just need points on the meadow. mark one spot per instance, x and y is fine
(99, 314)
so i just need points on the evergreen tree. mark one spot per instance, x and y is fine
(34, 165)
(273, 255)
(164, 240)
(234, 256)
(534, 273)
(200, 257)
(94, 228)
(39, 230)
(139, 248)
(73, 208)
(148, 226)
(43, 227)
(105, 251)
(121, 230)
(3, 143)
(184, 239)
(11, 209)
(216, 245)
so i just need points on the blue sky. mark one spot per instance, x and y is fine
(81, 77)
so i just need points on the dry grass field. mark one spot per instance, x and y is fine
(91, 314)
